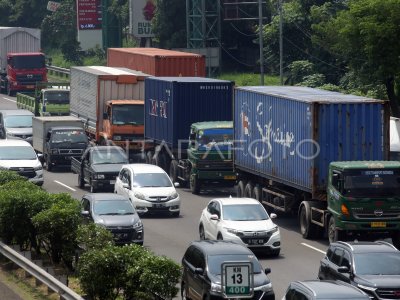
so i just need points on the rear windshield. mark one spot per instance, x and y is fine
(17, 153)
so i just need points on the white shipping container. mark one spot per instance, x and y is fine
(92, 87)
(18, 40)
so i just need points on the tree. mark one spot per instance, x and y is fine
(366, 35)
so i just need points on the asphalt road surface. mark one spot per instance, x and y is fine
(299, 259)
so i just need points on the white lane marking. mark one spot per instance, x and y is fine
(64, 185)
(9, 99)
(311, 247)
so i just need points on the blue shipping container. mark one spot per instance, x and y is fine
(291, 134)
(172, 104)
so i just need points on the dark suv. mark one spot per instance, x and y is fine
(315, 290)
(202, 264)
(374, 267)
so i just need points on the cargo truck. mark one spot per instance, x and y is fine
(21, 62)
(322, 155)
(158, 62)
(48, 99)
(110, 102)
(188, 124)
(59, 139)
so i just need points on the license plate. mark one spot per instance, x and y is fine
(112, 181)
(256, 242)
(232, 177)
(30, 86)
(158, 205)
(121, 235)
(378, 224)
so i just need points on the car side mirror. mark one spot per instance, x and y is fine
(267, 270)
(176, 184)
(199, 271)
(214, 217)
(125, 185)
(273, 215)
(85, 213)
(343, 269)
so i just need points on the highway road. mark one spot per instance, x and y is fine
(299, 259)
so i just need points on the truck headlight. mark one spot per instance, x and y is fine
(140, 196)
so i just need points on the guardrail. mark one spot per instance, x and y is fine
(41, 275)
(57, 71)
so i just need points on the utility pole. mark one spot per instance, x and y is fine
(260, 25)
(280, 42)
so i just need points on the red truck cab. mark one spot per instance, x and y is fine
(23, 71)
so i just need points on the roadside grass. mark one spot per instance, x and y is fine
(250, 79)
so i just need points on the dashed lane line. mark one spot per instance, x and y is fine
(64, 185)
(8, 99)
(311, 247)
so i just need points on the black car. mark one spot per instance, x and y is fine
(315, 290)
(202, 264)
(373, 267)
(117, 214)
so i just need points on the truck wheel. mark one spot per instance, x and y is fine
(9, 91)
(308, 229)
(173, 171)
(194, 184)
(149, 157)
(49, 166)
(396, 239)
(248, 190)
(240, 189)
(160, 160)
(334, 234)
(81, 182)
(257, 193)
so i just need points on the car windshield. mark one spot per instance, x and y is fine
(109, 156)
(215, 262)
(17, 153)
(244, 212)
(113, 207)
(60, 97)
(18, 121)
(70, 136)
(368, 264)
(151, 180)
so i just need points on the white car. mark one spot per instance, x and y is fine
(19, 156)
(149, 188)
(240, 219)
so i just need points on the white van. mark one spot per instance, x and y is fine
(18, 155)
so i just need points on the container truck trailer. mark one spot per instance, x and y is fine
(180, 114)
(322, 155)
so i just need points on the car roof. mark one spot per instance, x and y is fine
(14, 143)
(368, 247)
(221, 247)
(329, 289)
(104, 196)
(66, 128)
(16, 112)
(234, 200)
(144, 168)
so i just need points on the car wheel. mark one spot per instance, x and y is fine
(176, 214)
(334, 234)
(202, 233)
(219, 237)
(184, 293)
(276, 252)
(49, 166)
(194, 184)
(396, 239)
(81, 182)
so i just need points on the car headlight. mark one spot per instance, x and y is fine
(216, 288)
(137, 225)
(117, 138)
(140, 196)
(174, 195)
(54, 151)
(234, 231)
(266, 287)
(366, 288)
(38, 168)
(275, 229)
(10, 134)
(99, 176)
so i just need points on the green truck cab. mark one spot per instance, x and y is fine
(49, 99)
(209, 157)
(363, 197)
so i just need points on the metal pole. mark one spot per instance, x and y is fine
(280, 42)
(260, 22)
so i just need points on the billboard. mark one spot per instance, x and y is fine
(88, 14)
(141, 13)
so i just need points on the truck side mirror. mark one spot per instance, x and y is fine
(105, 116)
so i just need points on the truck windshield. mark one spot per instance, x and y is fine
(128, 114)
(367, 183)
(17, 153)
(109, 156)
(220, 138)
(28, 62)
(61, 97)
(70, 136)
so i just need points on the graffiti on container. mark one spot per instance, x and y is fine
(158, 108)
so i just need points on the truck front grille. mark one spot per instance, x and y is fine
(70, 151)
(388, 215)
(25, 172)
(131, 137)
(29, 78)
(214, 165)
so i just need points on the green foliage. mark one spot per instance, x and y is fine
(313, 80)
(57, 227)
(249, 79)
(93, 236)
(8, 176)
(298, 70)
(71, 51)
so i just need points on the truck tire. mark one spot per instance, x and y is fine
(240, 189)
(173, 171)
(248, 190)
(396, 239)
(9, 91)
(334, 234)
(194, 184)
(308, 230)
(93, 189)
(160, 160)
(149, 157)
(257, 194)
(81, 182)
(49, 166)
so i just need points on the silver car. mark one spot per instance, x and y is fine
(16, 123)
